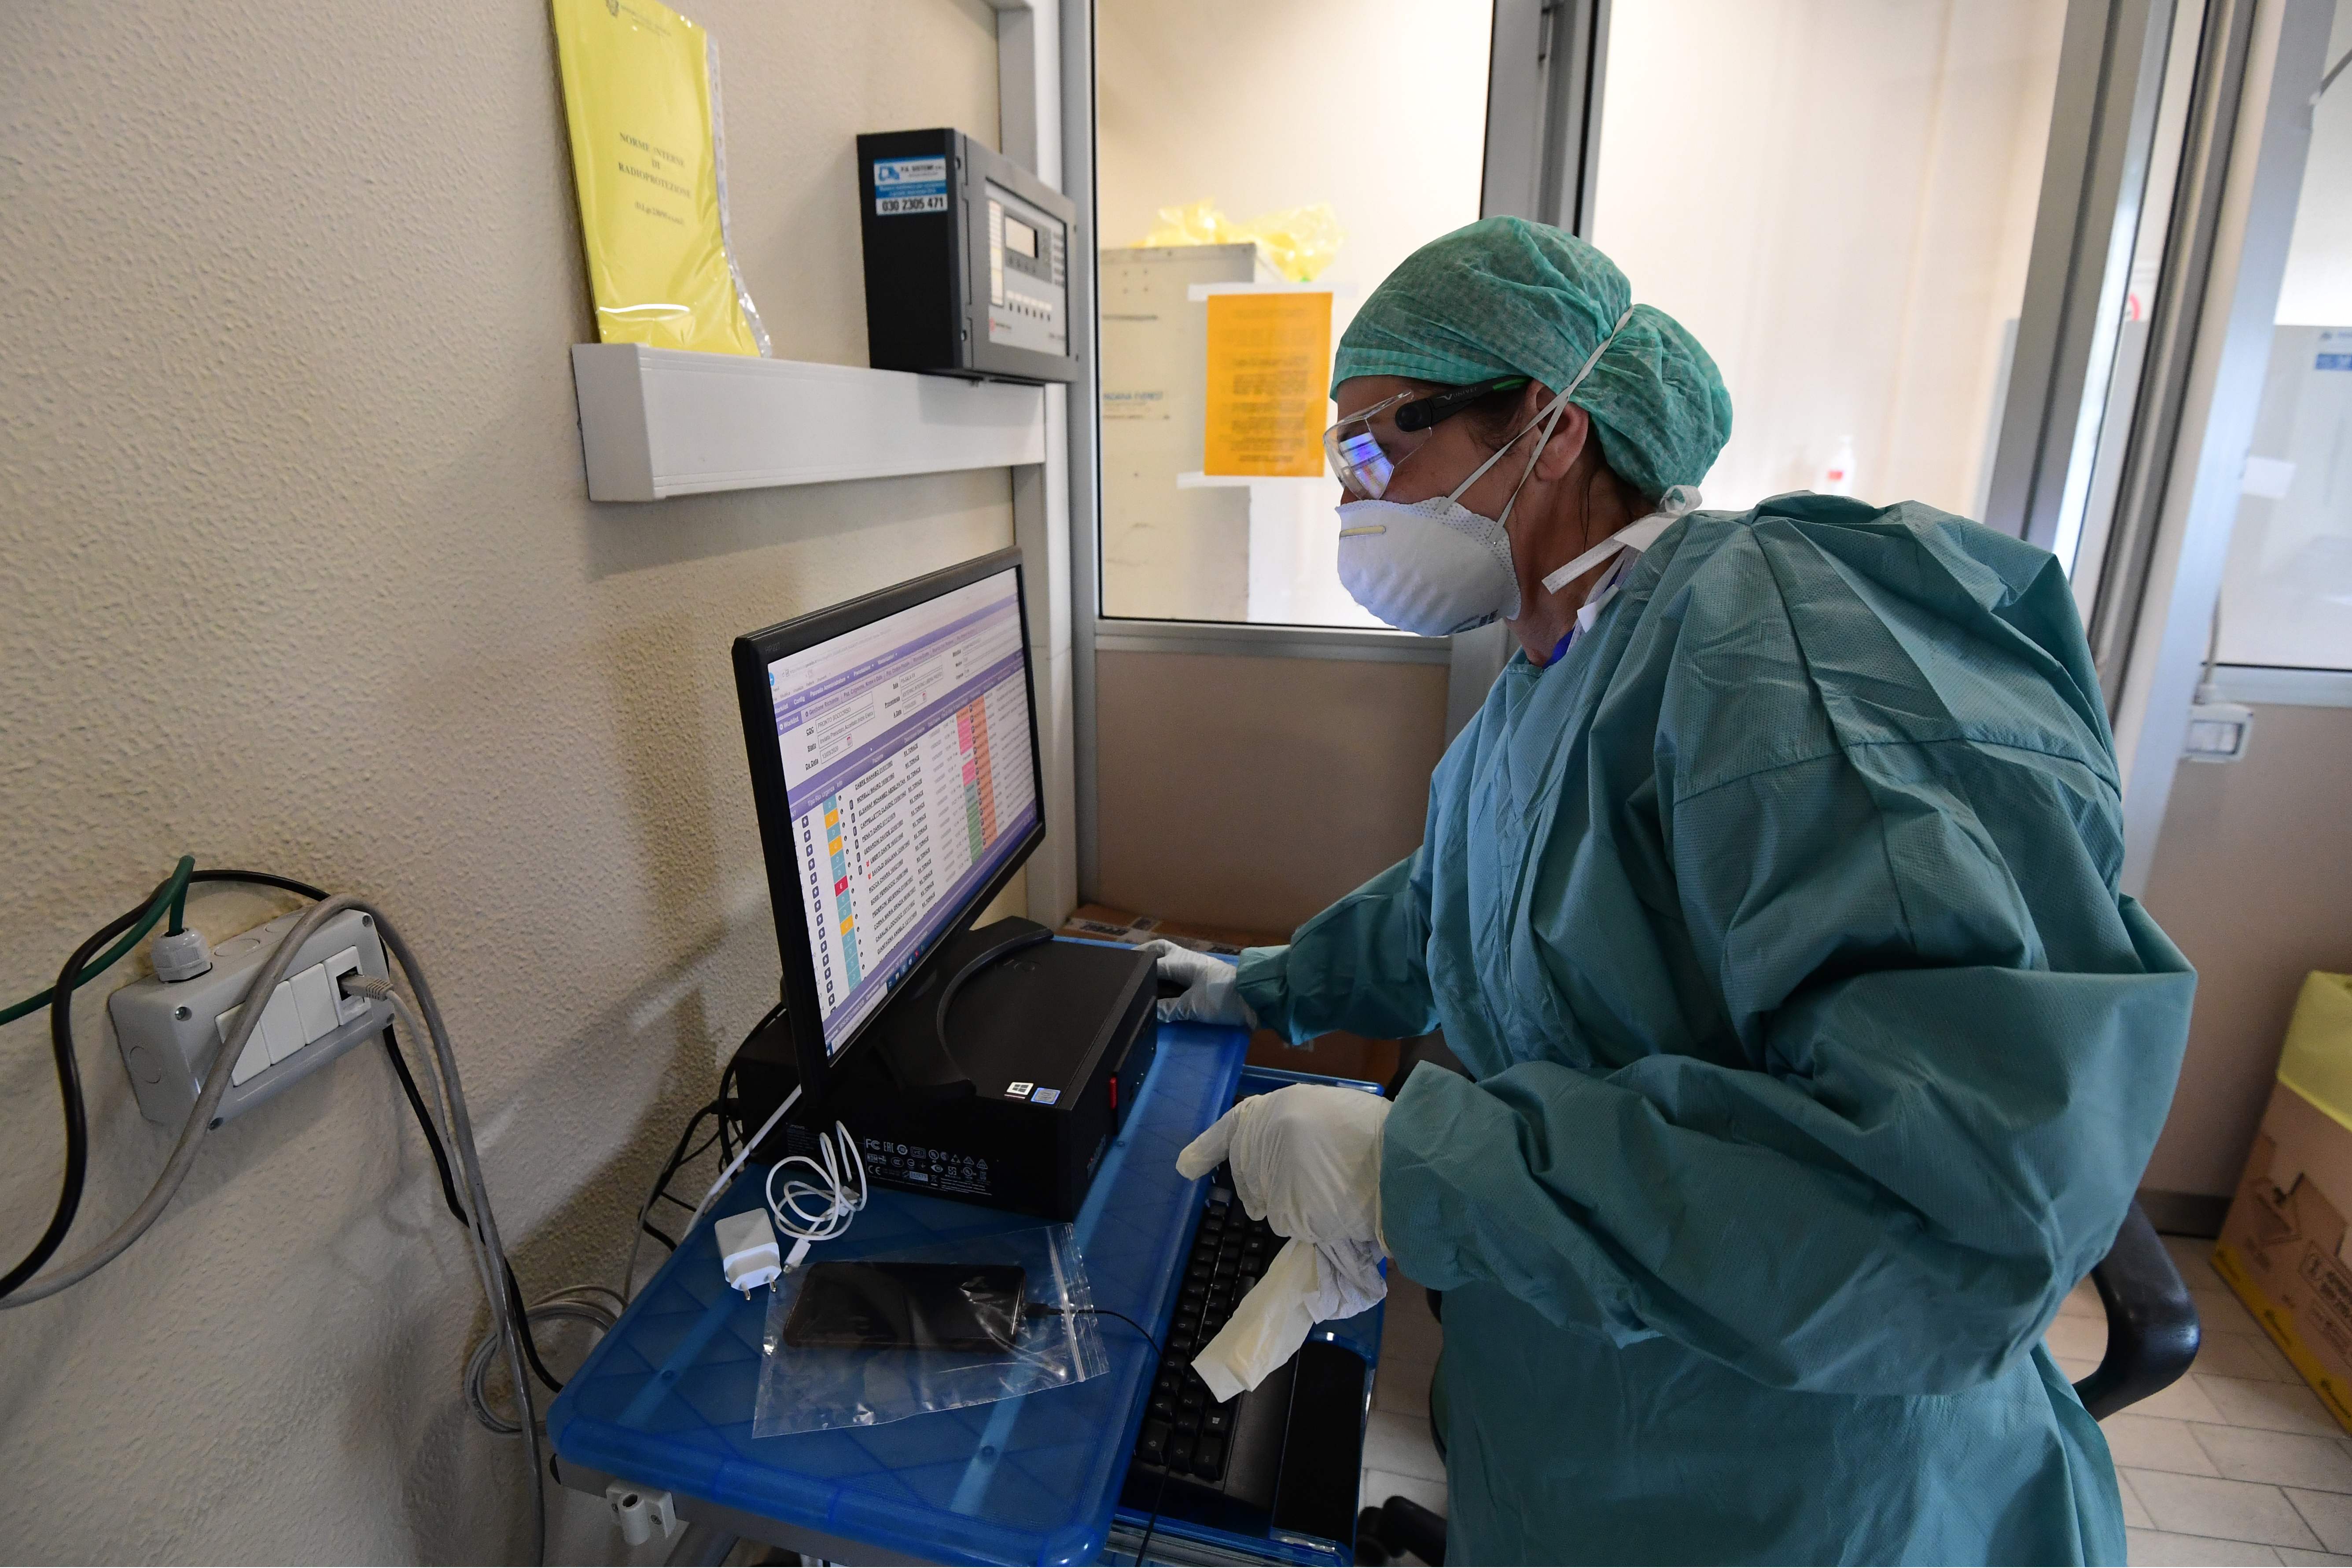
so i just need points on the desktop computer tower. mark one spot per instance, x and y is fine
(1046, 1049)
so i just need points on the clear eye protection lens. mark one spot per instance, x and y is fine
(1358, 461)
(1362, 461)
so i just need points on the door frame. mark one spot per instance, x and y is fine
(2233, 217)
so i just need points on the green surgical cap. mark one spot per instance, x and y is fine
(1507, 296)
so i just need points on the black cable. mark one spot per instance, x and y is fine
(973, 966)
(726, 1113)
(1160, 1492)
(424, 1125)
(679, 1157)
(424, 1121)
(260, 880)
(458, 1210)
(77, 1113)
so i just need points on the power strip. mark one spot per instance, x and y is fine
(170, 1032)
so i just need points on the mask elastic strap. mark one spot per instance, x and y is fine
(1636, 535)
(1548, 419)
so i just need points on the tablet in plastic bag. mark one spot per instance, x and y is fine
(865, 1339)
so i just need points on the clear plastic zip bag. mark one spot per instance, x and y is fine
(866, 1338)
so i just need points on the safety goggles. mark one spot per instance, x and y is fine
(1366, 447)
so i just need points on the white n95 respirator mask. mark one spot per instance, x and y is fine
(1434, 567)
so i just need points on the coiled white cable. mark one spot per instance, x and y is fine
(820, 1208)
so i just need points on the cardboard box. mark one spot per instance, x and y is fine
(2286, 1247)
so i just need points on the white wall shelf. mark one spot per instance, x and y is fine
(656, 422)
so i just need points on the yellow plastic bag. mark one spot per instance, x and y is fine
(641, 96)
(1300, 242)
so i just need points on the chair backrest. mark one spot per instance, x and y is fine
(2152, 1330)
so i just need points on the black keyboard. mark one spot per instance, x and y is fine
(1223, 1464)
(1184, 1432)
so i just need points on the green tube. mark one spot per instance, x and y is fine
(170, 898)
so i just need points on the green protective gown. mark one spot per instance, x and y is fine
(1814, 1056)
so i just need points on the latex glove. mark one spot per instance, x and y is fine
(1308, 1283)
(1212, 987)
(1306, 1160)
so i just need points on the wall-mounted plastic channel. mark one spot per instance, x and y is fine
(656, 422)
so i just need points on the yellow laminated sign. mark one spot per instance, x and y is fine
(640, 95)
(1269, 361)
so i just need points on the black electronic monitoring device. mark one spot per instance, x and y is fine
(968, 259)
(893, 743)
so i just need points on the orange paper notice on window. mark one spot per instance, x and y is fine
(1269, 363)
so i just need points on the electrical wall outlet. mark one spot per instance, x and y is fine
(171, 1033)
(2218, 732)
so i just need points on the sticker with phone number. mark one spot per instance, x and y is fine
(904, 186)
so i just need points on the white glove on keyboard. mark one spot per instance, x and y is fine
(1306, 1160)
(1212, 987)
(1308, 1283)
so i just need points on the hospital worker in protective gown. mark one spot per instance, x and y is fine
(1770, 901)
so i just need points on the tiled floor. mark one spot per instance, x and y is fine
(2238, 1462)
(1399, 1458)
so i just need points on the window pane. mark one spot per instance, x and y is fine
(1376, 107)
(1837, 197)
(2096, 465)
(2287, 598)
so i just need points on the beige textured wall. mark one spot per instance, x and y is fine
(297, 571)
(2249, 880)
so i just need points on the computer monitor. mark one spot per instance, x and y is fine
(893, 744)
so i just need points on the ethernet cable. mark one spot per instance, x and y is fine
(448, 1094)
(200, 1119)
(79, 971)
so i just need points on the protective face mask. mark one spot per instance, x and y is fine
(1434, 567)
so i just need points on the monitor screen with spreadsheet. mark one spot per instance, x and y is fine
(902, 738)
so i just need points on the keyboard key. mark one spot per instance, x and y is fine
(1164, 1409)
(1218, 1419)
(1209, 1458)
(1192, 1400)
(1152, 1446)
(1180, 1452)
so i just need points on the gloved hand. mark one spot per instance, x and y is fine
(1308, 1283)
(1212, 987)
(1306, 1160)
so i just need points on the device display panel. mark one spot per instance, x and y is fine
(1028, 287)
(909, 778)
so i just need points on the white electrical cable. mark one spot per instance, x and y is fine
(737, 1163)
(629, 1269)
(575, 1304)
(492, 1257)
(839, 1152)
(200, 1117)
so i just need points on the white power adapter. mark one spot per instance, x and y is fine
(747, 1250)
